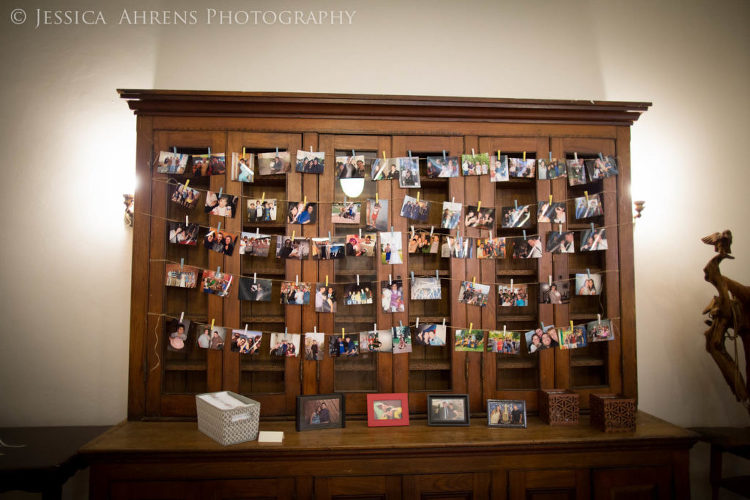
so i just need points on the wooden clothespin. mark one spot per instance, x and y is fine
(212, 323)
(315, 327)
(504, 330)
(479, 205)
(326, 280)
(511, 284)
(343, 332)
(474, 281)
(311, 150)
(471, 327)
(187, 183)
(550, 199)
(384, 158)
(524, 156)
(443, 322)
(377, 200)
(263, 197)
(412, 231)
(257, 232)
(304, 201)
(418, 193)
(243, 151)
(571, 325)
(559, 228)
(293, 234)
(472, 152)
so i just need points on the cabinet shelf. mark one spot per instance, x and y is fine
(586, 361)
(263, 319)
(185, 366)
(510, 363)
(261, 366)
(516, 272)
(516, 318)
(429, 365)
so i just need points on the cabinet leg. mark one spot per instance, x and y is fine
(714, 475)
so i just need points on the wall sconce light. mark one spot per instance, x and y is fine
(638, 209)
(128, 200)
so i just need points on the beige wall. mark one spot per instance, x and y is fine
(69, 145)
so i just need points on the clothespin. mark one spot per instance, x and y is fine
(412, 277)
(311, 149)
(358, 280)
(559, 228)
(187, 183)
(524, 156)
(277, 150)
(412, 231)
(187, 221)
(296, 279)
(601, 157)
(472, 152)
(182, 316)
(410, 155)
(392, 232)
(575, 156)
(550, 280)
(390, 279)
(515, 204)
(286, 332)
(418, 193)
(432, 229)
(377, 200)
(174, 150)
(326, 280)
(599, 319)
(471, 327)
(571, 325)
(384, 158)
(218, 270)
(550, 199)
(401, 323)
(304, 201)
(255, 277)
(588, 273)
(218, 228)
(592, 228)
(329, 236)
(417, 326)
(182, 264)
(443, 322)
(243, 151)
(257, 232)
(498, 155)
(209, 151)
(221, 191)
(524, 235)
(212, 323)
(444, 156)
(374, 328)
(245, 323)
(504, 330)
(474, 281)
(343, 332)
(490, 234)
(479, 205)
(453, 199)
(263, 197)
(542, 325)
(586, 194)
(353, 153)
(550, 156)
(315, 328)
(293, 233)
(511, 284)
(360, 233)
(437, 274)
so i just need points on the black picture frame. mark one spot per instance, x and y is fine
(303, 403)
(505, 403)
(433, 417)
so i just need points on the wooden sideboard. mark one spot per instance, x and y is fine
(171, 460)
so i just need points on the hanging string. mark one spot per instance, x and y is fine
(156, 344)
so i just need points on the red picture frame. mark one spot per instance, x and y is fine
(392, 409)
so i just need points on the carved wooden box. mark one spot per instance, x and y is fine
(612, 413)
(558, 406)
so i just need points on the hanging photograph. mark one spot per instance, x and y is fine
(601, 168)
(315, 346)
(392, 296)
(590, 206)
(260, 210)
(415, 210)
(459, 248)
(516, 216)
(384, 169)
(223, 206)
(325, 298)
(182, 276)
(216, 283)
(540, 339)
(523, 169)
(479, 217)
(592, 241)
(391, 248)
(473, 294)
(285, 344)
(180, 234)
(255, 244)
(469, 340)
(451, 215)
(573, 338)
(527, 248)
(348, 167)
(551, 169)
(243, 167)
(401, 339)
(320, 411)
(324, 249)
(369, 342)
(245, 341)
(421, 242)
(516, 295)
(430, 334)
(425, 288)
(255, 289)
(504, 342)
(360, 245)
(177, 334)
(491, 248)
(448, 409)
(220, 241)
(343, 346)
(185, 196)
(551, 212)
(295, 293)
(358, 294)
(301, 213)
(600, 331)
(556, 293)
(309, 162)
(589, 284)
(499, 169)
(576, 172)
(506, 413)
(274, 163)
(346, 213)
(408, 172)
(560, 242)
(209, 164)
(212, 337)
(442, 166)
(377, 215)
(477, 164)
(171, 163)
(292, 248)
(387, 410)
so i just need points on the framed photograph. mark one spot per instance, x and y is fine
(479, 217)
(527, 248)
(506, 413)
(415, 210)
(302, 213)
(392, 296)
(448, 409)
(522, 169)
(391, 248)
(181, 234)
(477, 164)
(442, 166)
(589, 284)
(384, 169)
(426, 288)
(343, 346)
(245, 341)
(177, 334)
(491, 248)
(377, 215)
(243, 167)
(360, 246)
(469, 340)
(558, 292)
(519, 216)
(592, 241)
(473, 294)
(421, 242)
(220, 241)
(516, 295)
(561, 242)
(325, 298)
(576, 172)
(348, 167)
(540, 339)
(255, 244)
(408, 169)
(261, 210)
(295, 293)
(430, 334)
(255, 290)
(573, 338)
(499, 169)
(223, 206)
(320, 411)
(309, 162)
(186, 197)
(401, 339)
(171, 163)
(587, 207)
(285, 344)
(315, 346)
(551, 169)
(288, 248)
(357, 295)
(504, 342)
(274, 163)
(212, 337)
(551, 212)
(216, 283)
(346, 213)
(387, 410)
(600, 331)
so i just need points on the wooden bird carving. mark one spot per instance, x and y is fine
(722, 243)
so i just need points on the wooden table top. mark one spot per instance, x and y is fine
(154, 438)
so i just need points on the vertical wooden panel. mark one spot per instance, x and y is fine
(559, 269)
(385, 320)
(232, 265)
(310, 188)
(293, 270)
(400, 271)
(325, 267)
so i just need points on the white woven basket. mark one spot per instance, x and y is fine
(229, 426)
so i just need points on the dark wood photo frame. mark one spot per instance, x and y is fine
(328, 407)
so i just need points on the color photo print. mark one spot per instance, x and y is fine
(210, 164)
(551, 169)
(600, 331)
(358, 294)
(216, 283)
(499, 169)
(426, 288)
(589, 284)
(285, 344)
(309, 162)
(576, 172)
(391, 249)
(261, 210)
(415, 210)
(522, 169)
(516, 295)
(255, 244)
(302, 213)
(171, 163)
(516, 216)
(594, 240)
(320, 411)
(422, 242)
(469, 340)
(292, 248)
(474, 294)
(358, 245)
(540, 339)
(325, 298)
(181, 234)
(451, 215)
(274, 163)
(573, 338)
(177, 334)
(561, 242)
(506, 413)
(430, 334)
(588, 206)
(459, 248)
(325, 249)
(346, 345)
(185, 196)
(212, 337)
(475, 164)
(181, 276)
(315, 346)
(384, 169)
(255, 289)
(527, 248)
(479, 217)
(222, 205)
(392, 296)
(551, 212)
(349, 167)
(557, 292)
(448, 409)
(408, 169)
(401, 339)
(377, 215)
(504, 342)
(601, 168)
(295, 293)
(220, 241)
(245, 341)
(442, 166)
(243, 167)
(346, 213)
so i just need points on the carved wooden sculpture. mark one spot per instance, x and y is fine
(729, 317)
